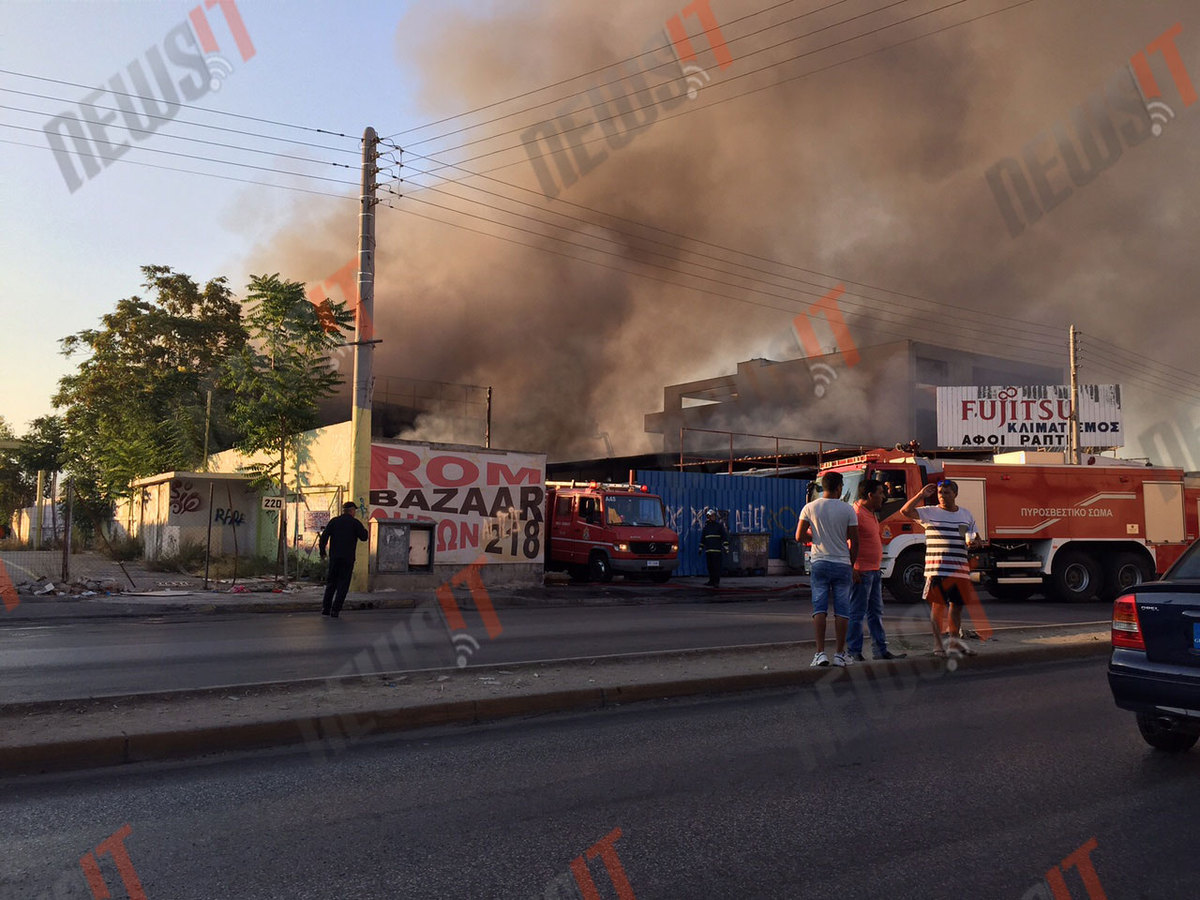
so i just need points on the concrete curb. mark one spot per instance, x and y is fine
(338, 729)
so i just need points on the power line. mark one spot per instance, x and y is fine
(877, 314)
(970, 348)
(150, 115)
(180, 137)
(133, 162)
(555, 84)
(194, 156)
(653, 68)
(1140, 359)
(872, 306)
(1029, 335)
(728, 81)
(1150, 383)
(216, 112)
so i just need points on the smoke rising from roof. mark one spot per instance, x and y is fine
(872, 171)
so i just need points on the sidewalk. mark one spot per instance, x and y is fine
(181, 594)
(327, 716)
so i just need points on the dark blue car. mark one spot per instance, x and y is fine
(1155, 665)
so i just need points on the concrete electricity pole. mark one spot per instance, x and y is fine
(1074, 425)
(364, 343)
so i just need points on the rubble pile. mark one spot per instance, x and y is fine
(44, 587)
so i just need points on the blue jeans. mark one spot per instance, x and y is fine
(866, 599)
(828, 579)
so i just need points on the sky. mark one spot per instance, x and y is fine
(980, 173)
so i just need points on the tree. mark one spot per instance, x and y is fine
(13, 481)
(280, 376)
(45, 451)
(136, 405)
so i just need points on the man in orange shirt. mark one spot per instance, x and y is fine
(866, 594)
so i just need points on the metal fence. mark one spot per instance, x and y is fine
(749, 505)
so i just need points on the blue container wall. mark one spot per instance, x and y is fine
(754, 505)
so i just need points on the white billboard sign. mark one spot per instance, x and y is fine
(486, 506)
(1028, 417)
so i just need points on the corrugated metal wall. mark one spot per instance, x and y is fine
(754, 505)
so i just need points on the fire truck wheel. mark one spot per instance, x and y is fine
(599, 568)
(908, 577)
(1123, 571)
(1075, 576)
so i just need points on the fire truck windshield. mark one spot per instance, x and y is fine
(851, 479)
(644, 511)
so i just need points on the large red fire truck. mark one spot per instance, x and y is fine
(597, 530)
(1070, 531)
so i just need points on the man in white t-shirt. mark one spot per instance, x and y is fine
(832, 525)
(949, 529)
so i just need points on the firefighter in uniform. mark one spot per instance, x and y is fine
(714, 541)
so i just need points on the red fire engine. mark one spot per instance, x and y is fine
(597, 530)
(1071, 531)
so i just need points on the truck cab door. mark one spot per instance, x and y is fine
(560, 526)
(584, 526)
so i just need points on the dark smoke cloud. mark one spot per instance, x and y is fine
(873, 171)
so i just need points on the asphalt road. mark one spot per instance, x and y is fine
(104, 657)
(967, 785)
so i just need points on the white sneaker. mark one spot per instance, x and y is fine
(957, 646)
(842, 660)
(819, 659)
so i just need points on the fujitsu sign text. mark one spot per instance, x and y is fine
(1029, 416)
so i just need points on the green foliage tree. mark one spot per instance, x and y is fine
(283, 372)
(13, 482)
(136, 405)
(44, 450)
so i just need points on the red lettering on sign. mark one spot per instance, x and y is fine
(436, 470)
(394, 462)
(496, 471)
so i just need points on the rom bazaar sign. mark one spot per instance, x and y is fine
(1028, 417)
(482, 503)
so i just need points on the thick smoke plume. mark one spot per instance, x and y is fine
(875, 172)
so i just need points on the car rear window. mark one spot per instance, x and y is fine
(1188, 566)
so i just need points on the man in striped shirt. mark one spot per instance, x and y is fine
(948, 529)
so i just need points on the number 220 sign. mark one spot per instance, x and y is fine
(272, 503)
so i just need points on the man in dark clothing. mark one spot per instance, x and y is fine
(714, 541)
(342, 534)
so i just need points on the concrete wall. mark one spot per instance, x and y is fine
(473, 500)
(169, 513)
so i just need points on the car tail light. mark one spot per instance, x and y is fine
(1126, 629)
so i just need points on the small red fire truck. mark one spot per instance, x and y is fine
(1071, 531)
(597, 530)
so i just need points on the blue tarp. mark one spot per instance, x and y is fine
(747, 504)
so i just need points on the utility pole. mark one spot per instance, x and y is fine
(487, 430)
(207, 420)
(364, 346)
(1074, 424)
